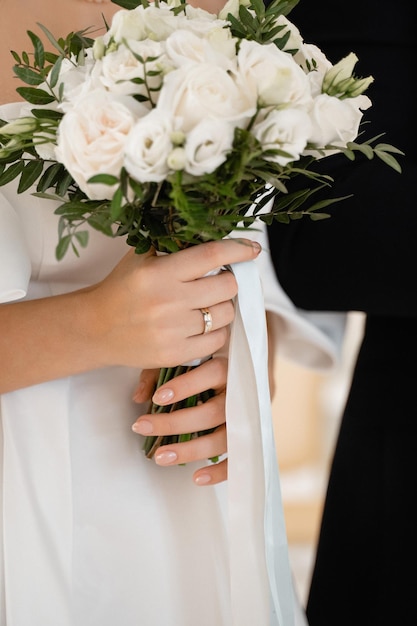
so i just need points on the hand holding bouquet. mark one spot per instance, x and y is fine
(178, 126)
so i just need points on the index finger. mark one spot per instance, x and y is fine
(197, 261)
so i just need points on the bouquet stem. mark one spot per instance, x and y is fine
(152, 442)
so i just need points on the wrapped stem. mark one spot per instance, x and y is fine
(153, 442)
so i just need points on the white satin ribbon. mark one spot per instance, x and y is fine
(261, 582)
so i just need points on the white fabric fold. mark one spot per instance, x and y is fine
(261, 582)
(15, 266)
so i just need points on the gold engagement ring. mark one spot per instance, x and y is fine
(208, 321)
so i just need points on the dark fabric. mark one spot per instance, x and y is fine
(365, 258)
(365, 571)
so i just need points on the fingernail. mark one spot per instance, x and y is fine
(163, 396)
(166, 457)
(143, 427)
(203, 479)
(256, 246)
(138, 395)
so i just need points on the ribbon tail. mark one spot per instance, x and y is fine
(261, 582)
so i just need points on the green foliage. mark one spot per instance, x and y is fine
(183, 210)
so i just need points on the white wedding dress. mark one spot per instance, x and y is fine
(91, 532)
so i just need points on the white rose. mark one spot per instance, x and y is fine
(148, 148)
(158, 22)
(287, 130)
(184, 47)
(273, 75)
(336, 121)
(92, 138)
(207, 146)
(75, 79)
(295, 40)
(127, 25)
(45, 145)
(232, 6)
(202, 22)
(195, 92)
(316, 64)
(117, 70)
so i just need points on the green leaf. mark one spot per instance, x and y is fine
(386, 147)
(11, 173)
(105, 179)
(30, 174)
(52, 39)
(49, 177)
(116, 204)
(62, 247)
(64, 184)
(82, 237)
(28, 76)
(127, 4)
(100, 223)
(16, 57)
(47, 114)
(35, 96)
(54, 75)
(389, 160)
(38, 48)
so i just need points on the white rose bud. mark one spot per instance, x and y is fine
(176, 159)
(339, 80)
(20, 126)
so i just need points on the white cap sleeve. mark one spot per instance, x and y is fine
(15, 266)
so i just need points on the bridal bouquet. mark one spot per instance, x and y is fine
(178, 126)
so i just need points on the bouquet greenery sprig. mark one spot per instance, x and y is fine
(177, 126)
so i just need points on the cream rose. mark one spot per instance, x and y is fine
(286, 130)
(199, 91)
(273, 75)
(151, 22)
(92, 138)
(117, 70)
(207, 146)
(127, 24)
(336, 121)
(148, 148)
(184, 47)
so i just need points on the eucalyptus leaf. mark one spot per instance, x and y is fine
(35, 96)
(62, 247)
(127, 4)
(28, 76)
(11, 172)
(30, 174)
(39, 50)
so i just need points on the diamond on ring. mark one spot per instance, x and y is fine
(208, 321)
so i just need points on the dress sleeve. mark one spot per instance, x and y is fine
(310, 339)
(15, 266)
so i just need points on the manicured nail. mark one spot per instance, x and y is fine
(138, 395)
(203, 479)
(166, 457)
(163, 396)
(256, 246)
(143, 427)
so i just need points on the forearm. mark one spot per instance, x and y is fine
(49, 338)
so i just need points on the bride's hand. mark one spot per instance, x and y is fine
(211, 374)
(148, 310)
